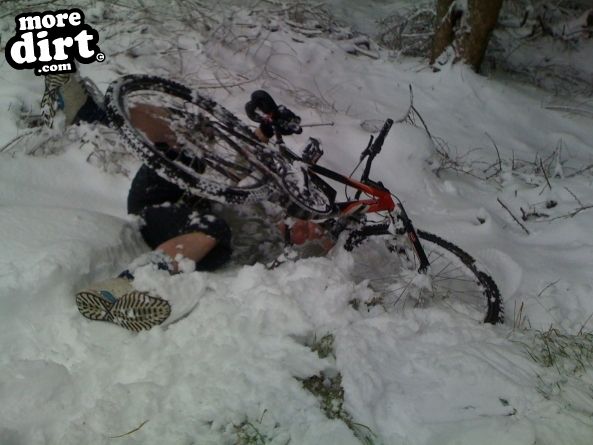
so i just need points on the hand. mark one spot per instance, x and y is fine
(271, 117)
(286, 122)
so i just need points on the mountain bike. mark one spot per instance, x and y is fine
(217, 157)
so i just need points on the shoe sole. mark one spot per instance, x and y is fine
(135, 311)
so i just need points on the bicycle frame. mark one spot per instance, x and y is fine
(380, 197)
(381, 201)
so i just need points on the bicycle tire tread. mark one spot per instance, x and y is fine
(495, 312)
(194, 183)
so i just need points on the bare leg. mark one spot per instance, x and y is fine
(261, 136)
(193, 246)
(153, 122)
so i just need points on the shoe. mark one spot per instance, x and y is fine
(118, 302)
(78, 98)
(49, 101)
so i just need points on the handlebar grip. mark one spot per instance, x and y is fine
(378, 143)
(373, 151)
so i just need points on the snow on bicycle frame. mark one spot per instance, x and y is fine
(380, 200)
(218, 148)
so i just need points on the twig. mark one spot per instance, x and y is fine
(574, 213)
(215, 73)
(518, 318)
(546, 287)
(130, 432)
(582, 170)
(328, 124)
(15, 140)
(585, 323)
(497, 153)
(513, 216)
(574, 196)
(541, 164)
(228, 85)
(537, 299)
(370, 54)
(323, 99)
(553, 155)
(569, 109)
(406, 116)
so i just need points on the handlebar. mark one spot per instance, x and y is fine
(375, 146)
(373, 149)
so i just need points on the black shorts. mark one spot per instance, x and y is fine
(166, 212)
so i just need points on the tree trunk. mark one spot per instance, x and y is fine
(483, 15)
(468, 31)
(444, 32)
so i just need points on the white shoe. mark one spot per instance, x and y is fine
(117, 301)
(68, 92)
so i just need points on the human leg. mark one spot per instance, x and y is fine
(153, 122)
(193, 246)
(178, 231)
(78, 98)
(174, 232)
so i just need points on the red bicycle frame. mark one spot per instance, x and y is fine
(382, 201)
(381, 197)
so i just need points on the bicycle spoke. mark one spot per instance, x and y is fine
(450, 282)
(459, 278)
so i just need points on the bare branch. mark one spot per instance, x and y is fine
(573, 213)
(129, 432)
(569, 109)
(582, 170)
(541, 164)
(574, 196)
(513, 216)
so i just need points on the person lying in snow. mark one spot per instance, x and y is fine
(177, 226)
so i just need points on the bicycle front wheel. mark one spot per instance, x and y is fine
(183, 138)
(454, 281)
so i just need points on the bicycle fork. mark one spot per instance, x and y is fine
(408, 227)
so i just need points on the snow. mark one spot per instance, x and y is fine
(239, 339)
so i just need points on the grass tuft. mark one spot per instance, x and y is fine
(324, 346)
(248, 434)
(327, 388)
(258, 432)
(568, 354)
(567, 377)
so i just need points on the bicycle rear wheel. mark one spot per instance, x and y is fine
(453, 281)
(204, 159)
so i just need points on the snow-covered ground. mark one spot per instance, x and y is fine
(229, 372)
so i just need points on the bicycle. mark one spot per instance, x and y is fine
(218, 157)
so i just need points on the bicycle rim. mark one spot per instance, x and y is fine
(453, 282)
(207, 160)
